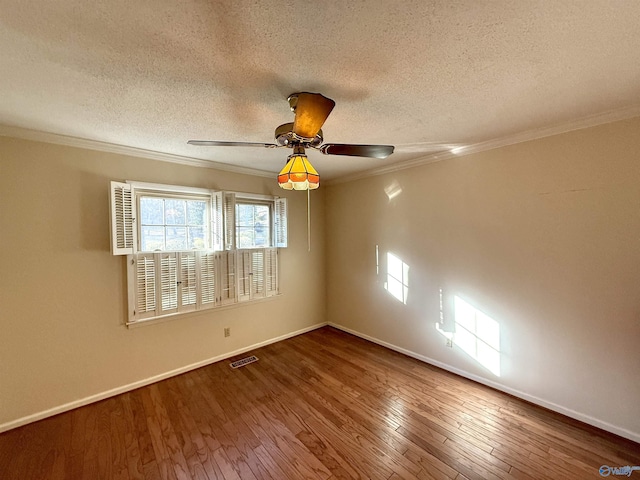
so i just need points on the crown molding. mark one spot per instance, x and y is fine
(54, 138)
(535, 134)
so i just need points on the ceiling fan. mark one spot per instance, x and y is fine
(311, 111)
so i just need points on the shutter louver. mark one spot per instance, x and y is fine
(229, 221)
(145, 286)
(207, 279)
(280, 207)
(271, 271)
(228, 277)
(244, 275)
(122, 231)
(168, 283)
(188, 281)
(257, 274)
(217, 223)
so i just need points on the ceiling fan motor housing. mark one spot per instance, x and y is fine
(286, 138)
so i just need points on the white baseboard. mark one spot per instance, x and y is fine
(503, 388)
(147, 381)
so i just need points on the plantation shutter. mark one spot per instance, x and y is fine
(271, 271)
(122, 217)
(244, 275)
(162, 283)
(188, 281)
(257, 274)
(207, 278)
(229, 221)
(280, 207)
(168, 283)
(227, 277)
(142, 275)
(217, 224)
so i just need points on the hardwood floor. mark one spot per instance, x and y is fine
(324, 405)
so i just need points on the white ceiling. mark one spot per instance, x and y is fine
(425, 76)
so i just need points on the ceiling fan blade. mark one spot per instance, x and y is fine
(312, 110)
(214, 143)
(375, 151)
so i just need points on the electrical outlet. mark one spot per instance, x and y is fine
(227, 331)
(449, 343)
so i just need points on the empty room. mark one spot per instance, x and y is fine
(322, 240)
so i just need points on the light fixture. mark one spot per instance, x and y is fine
(298, 173)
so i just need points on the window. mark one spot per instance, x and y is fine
(253, 225)
(173, 223)
(193, 249)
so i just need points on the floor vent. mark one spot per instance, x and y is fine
(244, 361)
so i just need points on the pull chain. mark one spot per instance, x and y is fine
(308, 220)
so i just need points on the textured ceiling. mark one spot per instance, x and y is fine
(425, 76)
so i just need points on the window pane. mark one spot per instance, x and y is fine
(196, 212)
(253, 225)
(172, 223)
(196, 238)
(244, 214)
(262, 232)
(152, 238)
(151, 211)
(176, 238)
(175, 212)
(246, 237)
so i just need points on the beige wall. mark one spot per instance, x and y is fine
(63, 295)
(543, 237)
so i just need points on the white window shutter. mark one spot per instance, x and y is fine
(244, 275)
(280, 207)
(257, 274)
(217, 223)
(207, 266)
(175, 282)
(188, 281)
(122, 217)
(168, 284)
(229, 221)
(227, 277)
(271, 271)
(142, 273)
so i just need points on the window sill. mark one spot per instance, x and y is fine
(196, 313)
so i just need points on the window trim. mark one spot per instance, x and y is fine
(270, 205)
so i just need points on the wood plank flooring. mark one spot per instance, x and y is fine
(323, 405)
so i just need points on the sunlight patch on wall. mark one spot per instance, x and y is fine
(393, 190)
(397, 283)
(478, 335)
